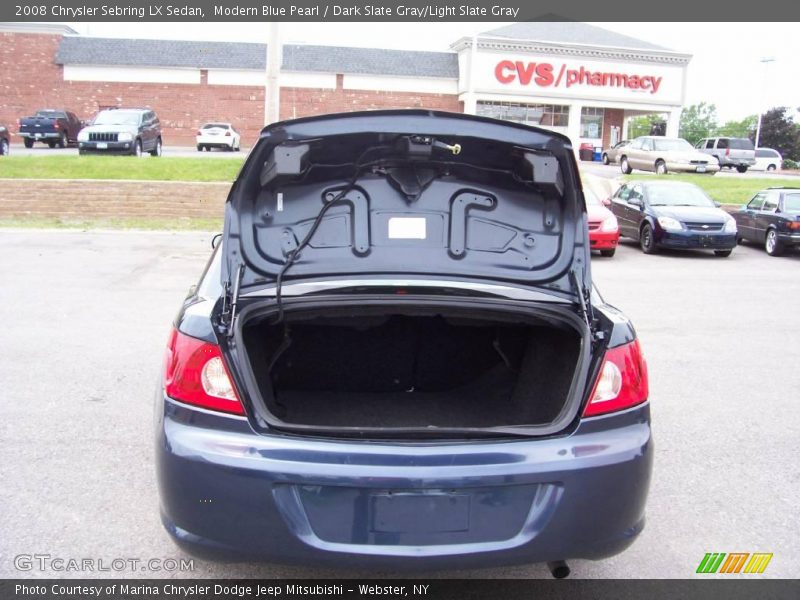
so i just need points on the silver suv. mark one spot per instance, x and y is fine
(730, 151)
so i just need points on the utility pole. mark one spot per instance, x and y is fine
(272, 90)
(765, 62)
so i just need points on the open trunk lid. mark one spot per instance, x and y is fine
(415, 193)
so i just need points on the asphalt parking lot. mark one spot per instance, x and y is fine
(86, 316)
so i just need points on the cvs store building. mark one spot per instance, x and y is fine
(573, 78)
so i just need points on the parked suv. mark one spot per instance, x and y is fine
(395, 356)
(122, 131)
(731, 152)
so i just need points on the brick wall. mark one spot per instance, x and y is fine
(612, 117)
(30, 79)
(112, 199)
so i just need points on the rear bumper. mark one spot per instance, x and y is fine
(228, 492)
(711, 167)
(216, 141)
(695, 240)
(789, 239)
(600, 240)
(737, 162)
(48, 135)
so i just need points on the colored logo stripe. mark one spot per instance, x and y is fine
(713, 562)
(758, 563)
(734, 562)
(710, 562)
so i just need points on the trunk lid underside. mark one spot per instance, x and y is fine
(413, 193)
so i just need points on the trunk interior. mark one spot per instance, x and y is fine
(412, 368)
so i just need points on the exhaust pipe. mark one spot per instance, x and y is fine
(558, 569)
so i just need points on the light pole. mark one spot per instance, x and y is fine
(764, 61)
(272, 90)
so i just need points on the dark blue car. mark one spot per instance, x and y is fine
(672, 214)
(395, 357)
(771, 218)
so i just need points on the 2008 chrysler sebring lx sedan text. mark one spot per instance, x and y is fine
(395, 357)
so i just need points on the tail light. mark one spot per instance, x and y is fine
(727, 151)
(228, 133)
(793, 225)
(56, 125)
(195, 373)
(622, 382)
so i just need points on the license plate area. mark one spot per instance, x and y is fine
(413, 516)
(102, 145)
(701, 169)
(434, 512)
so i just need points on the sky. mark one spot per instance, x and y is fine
(725, 70)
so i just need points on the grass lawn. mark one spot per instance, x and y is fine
(726, 190)
(153, 224)
(164, 168)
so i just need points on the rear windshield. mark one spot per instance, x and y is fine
(735, 143)
(677, 195)
(117, 117)
(51, 114)
(791, 203)
(215, 126)
(764, 153)
(665, 145)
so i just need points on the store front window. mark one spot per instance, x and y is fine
(591, 122)
(543, 115)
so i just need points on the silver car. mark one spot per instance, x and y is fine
(663, 154)
(611, 155)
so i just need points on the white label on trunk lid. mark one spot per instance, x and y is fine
(280, 201)
(407, 228)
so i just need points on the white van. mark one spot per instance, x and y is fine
(767, 159)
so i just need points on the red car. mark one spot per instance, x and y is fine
(603, 228)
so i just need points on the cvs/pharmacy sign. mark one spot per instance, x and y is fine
(545, 74)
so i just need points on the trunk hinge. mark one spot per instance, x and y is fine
(229, 301)
(585, 306)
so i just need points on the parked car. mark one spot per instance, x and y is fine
(5, 141)
(767, 159)
(122, 131)
(54, 127)
(672, 214)
(603, 227)
(611, 155)
(771, 218)
(731, 152)
(433, 384)
(218, 135)
(662, 155)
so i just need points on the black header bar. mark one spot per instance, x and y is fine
(398, 10)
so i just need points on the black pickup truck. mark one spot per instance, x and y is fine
(55, 127)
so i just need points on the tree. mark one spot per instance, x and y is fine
(746, 128)
(697, 122)
(779, 131)
(642, 125)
